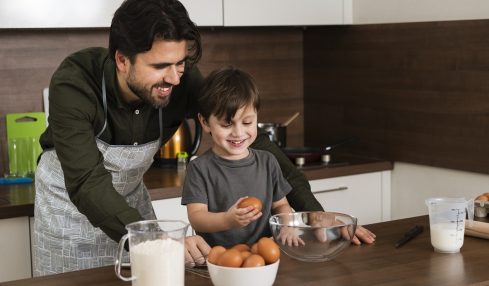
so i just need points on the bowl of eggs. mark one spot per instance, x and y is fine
(243, 265)
(313, 236)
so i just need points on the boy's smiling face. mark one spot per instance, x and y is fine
(232, 139)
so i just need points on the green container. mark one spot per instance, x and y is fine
(23, 132)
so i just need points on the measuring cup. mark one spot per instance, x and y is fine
(156, 252)
(447, 222)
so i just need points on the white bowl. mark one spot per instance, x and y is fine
(233, 276)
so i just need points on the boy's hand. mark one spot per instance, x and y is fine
(239, 217)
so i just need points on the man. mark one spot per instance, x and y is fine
(110, 111)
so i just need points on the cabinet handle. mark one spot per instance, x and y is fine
(331, 190)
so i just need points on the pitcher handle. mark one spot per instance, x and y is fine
(470, 211)
(118, 260)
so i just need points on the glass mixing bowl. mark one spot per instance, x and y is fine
(313, 236)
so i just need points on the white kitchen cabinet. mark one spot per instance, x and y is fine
(15, 249)
(170, 209)
(287, 12)
(205, 12)
(365, 196)
(401, 11)
(89, 13)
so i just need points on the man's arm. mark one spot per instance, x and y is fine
(89, 184)
(301, 197)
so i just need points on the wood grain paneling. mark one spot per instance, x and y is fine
(272, 55)
(416, 92)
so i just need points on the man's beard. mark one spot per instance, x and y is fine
(145, 94)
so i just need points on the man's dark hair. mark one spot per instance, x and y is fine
(225, 91)
(137, 23)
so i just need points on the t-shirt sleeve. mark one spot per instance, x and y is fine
(194, 185)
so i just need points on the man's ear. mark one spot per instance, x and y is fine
(121, 61)
(204, 123)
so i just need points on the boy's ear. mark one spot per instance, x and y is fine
(204, 123)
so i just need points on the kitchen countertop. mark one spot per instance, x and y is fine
(164, 183)
(381, 263)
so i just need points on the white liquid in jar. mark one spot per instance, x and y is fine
(446, 238)
(158, 263)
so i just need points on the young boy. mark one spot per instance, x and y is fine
(221, 178)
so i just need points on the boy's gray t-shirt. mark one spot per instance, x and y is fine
(219, 183)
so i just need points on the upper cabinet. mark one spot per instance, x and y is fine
(89, 13)
(56, 13)
(287, 12)
(99, 13)
(205, 12)
(400, 11)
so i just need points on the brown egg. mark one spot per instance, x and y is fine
(268, 249)
(241, 247)
(483, 198)
(230, 258)
(251, 201)
(245, 254)
(254, 260)
(254, 248)
(214, 254)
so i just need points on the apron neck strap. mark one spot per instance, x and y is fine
(104, 102)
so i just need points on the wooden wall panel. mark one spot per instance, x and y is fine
(416, 92)
(272, 55)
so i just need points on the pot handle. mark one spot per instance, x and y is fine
(344, 141)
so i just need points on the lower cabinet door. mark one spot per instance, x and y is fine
(15, 249)
(356, 195)
(170, 209)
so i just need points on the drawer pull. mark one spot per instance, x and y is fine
(331, 190)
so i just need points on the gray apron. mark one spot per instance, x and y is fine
(64, 240)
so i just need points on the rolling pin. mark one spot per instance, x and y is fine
(477, 229)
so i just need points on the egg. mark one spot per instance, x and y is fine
(245, 254)
(241, 247)
(254, 248)
(268, 249)
(230, 258)
(251, 201)
(483, 198)
(254, 260)
(214, 254)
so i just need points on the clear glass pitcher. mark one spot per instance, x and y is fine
(156, 252)
(447, 222)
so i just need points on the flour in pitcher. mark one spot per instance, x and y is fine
(158, 263)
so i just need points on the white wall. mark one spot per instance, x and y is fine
(396, 11)
(412, 184)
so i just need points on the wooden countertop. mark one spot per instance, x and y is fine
(381, 263)
(164, 183)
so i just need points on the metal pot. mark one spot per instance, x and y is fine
(276, 132)
(313, 154)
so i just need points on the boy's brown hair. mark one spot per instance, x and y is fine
(225, 91)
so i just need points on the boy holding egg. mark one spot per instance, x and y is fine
(231, 190)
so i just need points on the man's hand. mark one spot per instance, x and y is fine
(196, 250)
